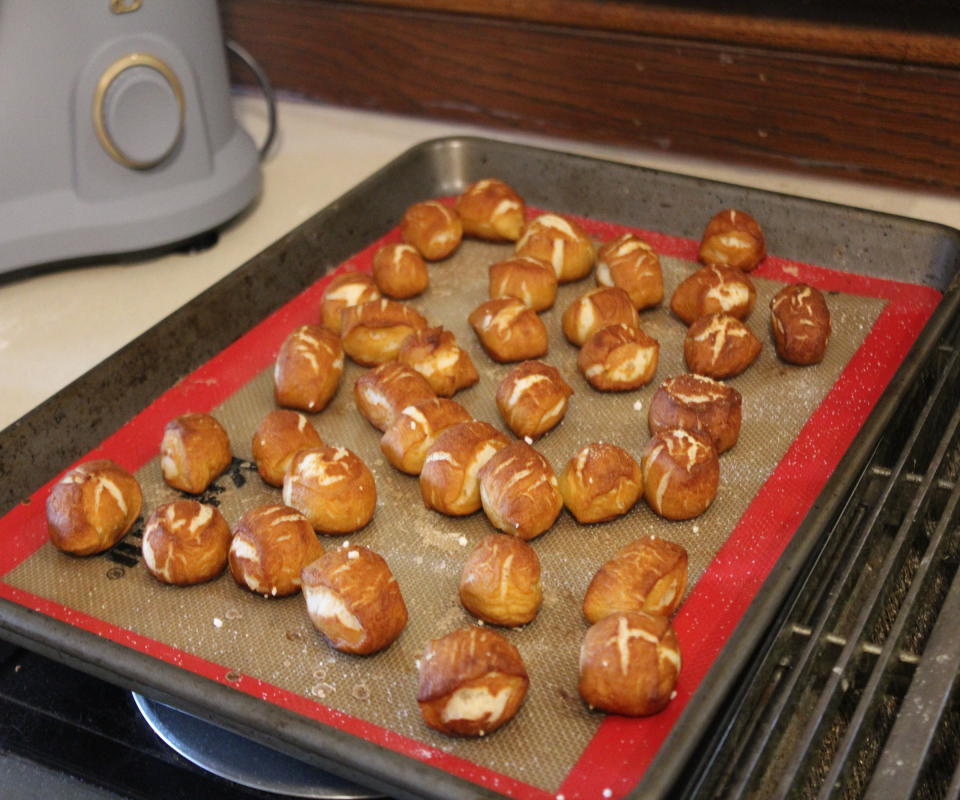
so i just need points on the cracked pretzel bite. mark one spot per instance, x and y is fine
(629, 664)
(383, 392)
(697, 403)
(733, 238)
(472, 681)
(631, 264)
(332, 488)
(406, 442)
(185, 542)
(400, 271)
(681, 473)
(491, 209)
(348, 289)
(194, 451)
(528, 279)
(278, 437)
(560, 242)
(448, 480)
(713, 290)
(354, 600)
(432, 228)
(308, 368)
(649, 574)
(598, 308)
(373, 332)
(271, 544)
(92, 507)
(800, 321)
(509, 330)
(619, 358)
(435, 354)
(719, 346)
(518, 491)
(500, 582)
(600, 482)
(532, 398)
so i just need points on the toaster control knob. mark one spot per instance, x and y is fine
(138, 111)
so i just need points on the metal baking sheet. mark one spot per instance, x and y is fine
(450, 163)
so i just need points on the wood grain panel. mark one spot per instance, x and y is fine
(870, 120)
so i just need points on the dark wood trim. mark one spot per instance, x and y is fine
(856, 118)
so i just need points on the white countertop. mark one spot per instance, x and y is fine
(55, 326)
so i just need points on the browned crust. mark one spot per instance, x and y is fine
(500, 581)
(449, 480)
(338, 295)
(509, 330)
(364, 583)
(530, 280)
(373, 332)
(621, 672)
(648, 574)
(630, 263)
(800, 322)
(491, 209)
(681, 473)
(720, 346)
(178, 549)
(697, 403)
(600, 482)
(463, 655)
(332, 488)
(733, 238)
(194, 451)
(610, 358)
(83, 519)
(432, 228)
(572, 258)
(435, 354)
(532, 398)
(714, 289)
(598, 308)
(279, 435)
(384, 391)
(518, 490)
(400, 271)
(271, 544)
(406, 441)
(308, 368)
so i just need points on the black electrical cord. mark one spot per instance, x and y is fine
(265, 86)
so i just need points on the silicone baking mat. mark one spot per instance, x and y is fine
(798, 421)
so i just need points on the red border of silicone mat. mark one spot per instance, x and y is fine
(617, 756)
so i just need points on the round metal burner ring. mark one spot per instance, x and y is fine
(241, 760)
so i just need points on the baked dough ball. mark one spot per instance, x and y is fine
(509, 330)
(500, 582)
(432, 228)
(629, 664)
(619, 358)
(532, 398)
(435, 354)
(383, 392)
(719, 346)
(562, 243)
(348, 289)
(277, 438)
(713, 290)
(194, 451)
(733, 238)
(332, 488)
(406, 442)
(308, 368)
(601, 482)
(649, 574)
(373, 332)
(472, 681)
(800, 321)
(92, 507)
(598, 308)
(697, 403)
(449, 481)
(681, 473)
(631, 264)
(518, 491)
(400, 271)
(271, 544)
(528, 279)
(354, 600)
(185, 542)
(491, 209)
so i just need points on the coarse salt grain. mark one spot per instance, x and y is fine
(528, 440)
(608, 793)
(638, 405)
(217, 622)
(463, 541)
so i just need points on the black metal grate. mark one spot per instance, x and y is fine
(855, 694)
